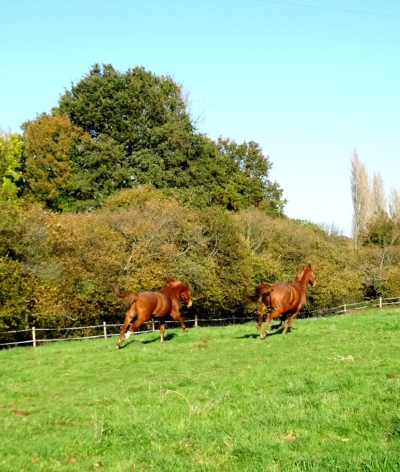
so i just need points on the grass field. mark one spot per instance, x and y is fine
(324, 397)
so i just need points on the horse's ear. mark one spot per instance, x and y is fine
(309, 266)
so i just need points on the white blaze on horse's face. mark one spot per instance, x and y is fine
(313, 281)
(185, 297)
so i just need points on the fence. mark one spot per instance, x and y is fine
(380, 302)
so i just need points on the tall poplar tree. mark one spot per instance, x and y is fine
(361, 195)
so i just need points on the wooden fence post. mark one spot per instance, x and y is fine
(380, 302)
(152, 325)
(344, 308)
(105, 329)
(33, 336)
(195, 321)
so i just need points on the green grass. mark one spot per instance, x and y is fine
(324, 397)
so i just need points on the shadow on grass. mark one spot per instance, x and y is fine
(274, 330)
(167, 337)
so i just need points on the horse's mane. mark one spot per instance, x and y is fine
(172, 283)
(175, 287)
(299, 276)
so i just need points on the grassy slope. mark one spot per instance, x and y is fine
(324, 397)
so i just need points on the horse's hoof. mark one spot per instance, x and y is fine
(263, 335)
(185, 330)
(116, 347)
(258, 328)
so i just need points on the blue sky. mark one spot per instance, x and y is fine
(309, 80)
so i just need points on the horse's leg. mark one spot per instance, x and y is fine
(289, 321)
(279, 325)
(162, 329)
(282, 321)
(138, 322)
(177, 316)
(271, 315)
(260, 315)
(128, 318)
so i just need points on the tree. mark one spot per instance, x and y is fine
(231, 175)
(132, 107)
(114, 131)
(143, 117)
(394, 205)
(250, 170)
(49, 144)
(378, 196)
(360, 193)
(99, 169)
(10, 164)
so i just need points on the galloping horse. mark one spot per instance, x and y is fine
(286, 300)
(161, 303)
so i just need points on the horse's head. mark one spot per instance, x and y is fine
(185, 295)
(180, 289)
(310, 276)
(306, 276)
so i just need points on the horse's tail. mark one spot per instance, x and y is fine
(261, 291)
(128, 297)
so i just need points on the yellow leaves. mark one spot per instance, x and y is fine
(48, 143)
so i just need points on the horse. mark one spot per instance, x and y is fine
(144, 305)
(286, 300)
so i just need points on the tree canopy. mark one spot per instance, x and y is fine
(116, 130)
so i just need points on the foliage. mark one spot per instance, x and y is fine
(100, 169)
(381, 255)
(10, 165)
(381, 232)
(279, 247)
(140, 114)
(17, 286)
(154, 198)
(114, 131)
(141, 237)
(134, 197)
(324, 397)
(252, 187)
(49, 143)
(132, 107)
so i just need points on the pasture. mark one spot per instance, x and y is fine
(324, 397)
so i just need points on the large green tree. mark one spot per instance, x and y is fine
(122, 130)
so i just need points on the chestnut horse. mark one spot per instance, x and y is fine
(145, 304)
(286, 300)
